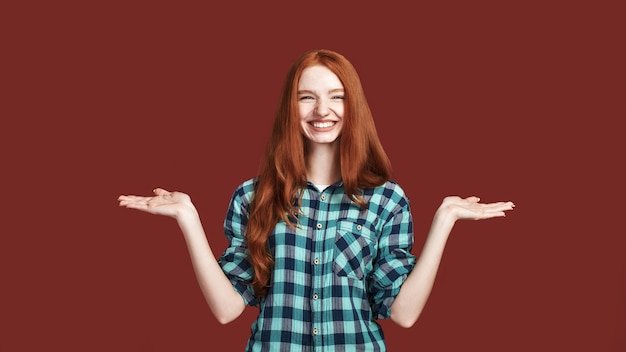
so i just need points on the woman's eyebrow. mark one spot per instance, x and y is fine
(306, 91)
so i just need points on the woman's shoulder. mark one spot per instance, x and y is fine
(389, 189)
(390, 195)
(245, 190)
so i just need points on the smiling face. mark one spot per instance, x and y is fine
(320, 103)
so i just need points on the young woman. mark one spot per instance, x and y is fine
(320, 240)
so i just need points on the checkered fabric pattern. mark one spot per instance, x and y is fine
(334, 275)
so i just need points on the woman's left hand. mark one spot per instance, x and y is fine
(470, 208)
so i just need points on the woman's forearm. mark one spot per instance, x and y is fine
(225, 303)
(415, 291)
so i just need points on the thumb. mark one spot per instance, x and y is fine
(160, 191)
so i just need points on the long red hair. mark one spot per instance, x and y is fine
(363, 161)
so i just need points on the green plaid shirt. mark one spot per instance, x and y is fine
(334, 275)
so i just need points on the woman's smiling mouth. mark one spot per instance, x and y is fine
(322, 124)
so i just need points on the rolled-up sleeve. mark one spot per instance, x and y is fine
(394, 260)
(234, 260)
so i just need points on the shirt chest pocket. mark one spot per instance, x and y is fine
(355, 246)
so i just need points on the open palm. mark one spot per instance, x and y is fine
(162, 203)
(470, 208)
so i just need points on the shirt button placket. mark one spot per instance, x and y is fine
(316, 261)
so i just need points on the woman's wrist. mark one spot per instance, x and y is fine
(186, 213)
(444, 220)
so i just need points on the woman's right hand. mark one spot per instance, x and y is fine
(173, 204)
(225, 303)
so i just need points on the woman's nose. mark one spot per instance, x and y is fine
(322, 108)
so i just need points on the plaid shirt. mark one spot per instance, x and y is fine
(334, 275)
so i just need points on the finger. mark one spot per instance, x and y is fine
(138, 206)
(504, 205)
(497, 206)
(133, 198)
(125, 199)
(489, 215)
(507, 206)
(501, 204)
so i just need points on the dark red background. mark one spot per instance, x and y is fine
(522, 102)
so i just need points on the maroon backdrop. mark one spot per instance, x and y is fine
(509, 102)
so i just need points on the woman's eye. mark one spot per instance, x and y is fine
(339, 97)
(306, 97)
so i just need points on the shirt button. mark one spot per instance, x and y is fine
(319, 226)
(315, 331)
(316, 261)
(323, 197)
(315, 296)
(358, 227)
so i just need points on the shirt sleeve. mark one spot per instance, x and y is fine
(394, 260)
(234, 260)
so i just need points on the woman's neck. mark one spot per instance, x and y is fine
(322, 163)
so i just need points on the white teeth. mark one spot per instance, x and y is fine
(323, 124)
